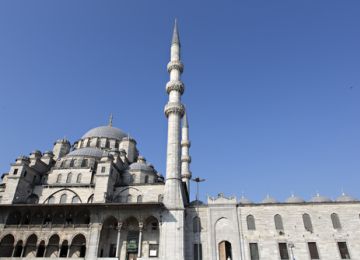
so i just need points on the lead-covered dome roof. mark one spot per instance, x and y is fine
(105, 131)
(319, 198)
(345, 198)
(294, 199)
(269, 200)
(87, 151)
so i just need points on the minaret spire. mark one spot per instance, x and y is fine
(174, 111)
(185, 157)
(175, 37)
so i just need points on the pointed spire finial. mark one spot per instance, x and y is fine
(185, 121)
(110, 120)
(175, 37)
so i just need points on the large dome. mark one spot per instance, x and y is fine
(105, 131)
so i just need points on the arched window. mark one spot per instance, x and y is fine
(139, 198)
(68, 179)
(75, 199)
(278, 222)
(78, 179)
(117, 144)
(63, 199)
(51, 200)
(78, 246)
(88, 143)
(64, 249)
(147, 179)
(7, 246)
(196, 224)
(250, 220)
(72, 163)
(307, 222)
(107, 144)
(98, 143)
(18, 249)
(85, 163)
(335, 221)
(41, 249)
(59, 177)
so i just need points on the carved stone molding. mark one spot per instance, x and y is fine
(185, 143)
(175, 85)
(175, 64)
(174, 107)
(186, 158)
(186, 175)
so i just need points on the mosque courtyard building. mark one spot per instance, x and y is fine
(98, 198)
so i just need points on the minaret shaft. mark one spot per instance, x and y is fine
(174, 110)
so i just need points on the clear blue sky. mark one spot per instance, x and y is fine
(272, 87)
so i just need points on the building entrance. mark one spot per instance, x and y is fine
(225, 250)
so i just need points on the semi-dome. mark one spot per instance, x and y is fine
(87, 151)
(345, 198)
(269, 200)
(244, 200)
(319, 198)
(105, 131)
(294, 199)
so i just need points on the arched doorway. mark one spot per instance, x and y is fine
(7, 246)
(225, 250)
(78, 246)
(108, 238)
(150, 245)
(131, 234)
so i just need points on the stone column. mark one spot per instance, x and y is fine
(118, 239)
(141, 225)
(93, 244)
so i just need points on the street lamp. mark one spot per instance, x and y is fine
(197, 201)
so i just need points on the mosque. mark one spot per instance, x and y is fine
(98, 198)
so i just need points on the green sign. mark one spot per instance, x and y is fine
(132, 245)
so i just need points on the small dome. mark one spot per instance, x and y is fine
(87, 151)
(269, 200)
(105, 131)
(345, 198)
(196, 203)
(244, 200)
(294, 199)
(141, 165)
(319, 198)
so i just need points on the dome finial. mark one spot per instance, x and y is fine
(111, 120)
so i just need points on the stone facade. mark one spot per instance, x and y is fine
(99, 199)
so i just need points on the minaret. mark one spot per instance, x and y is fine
(174, 111)
(185, 157)
(173, 218)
